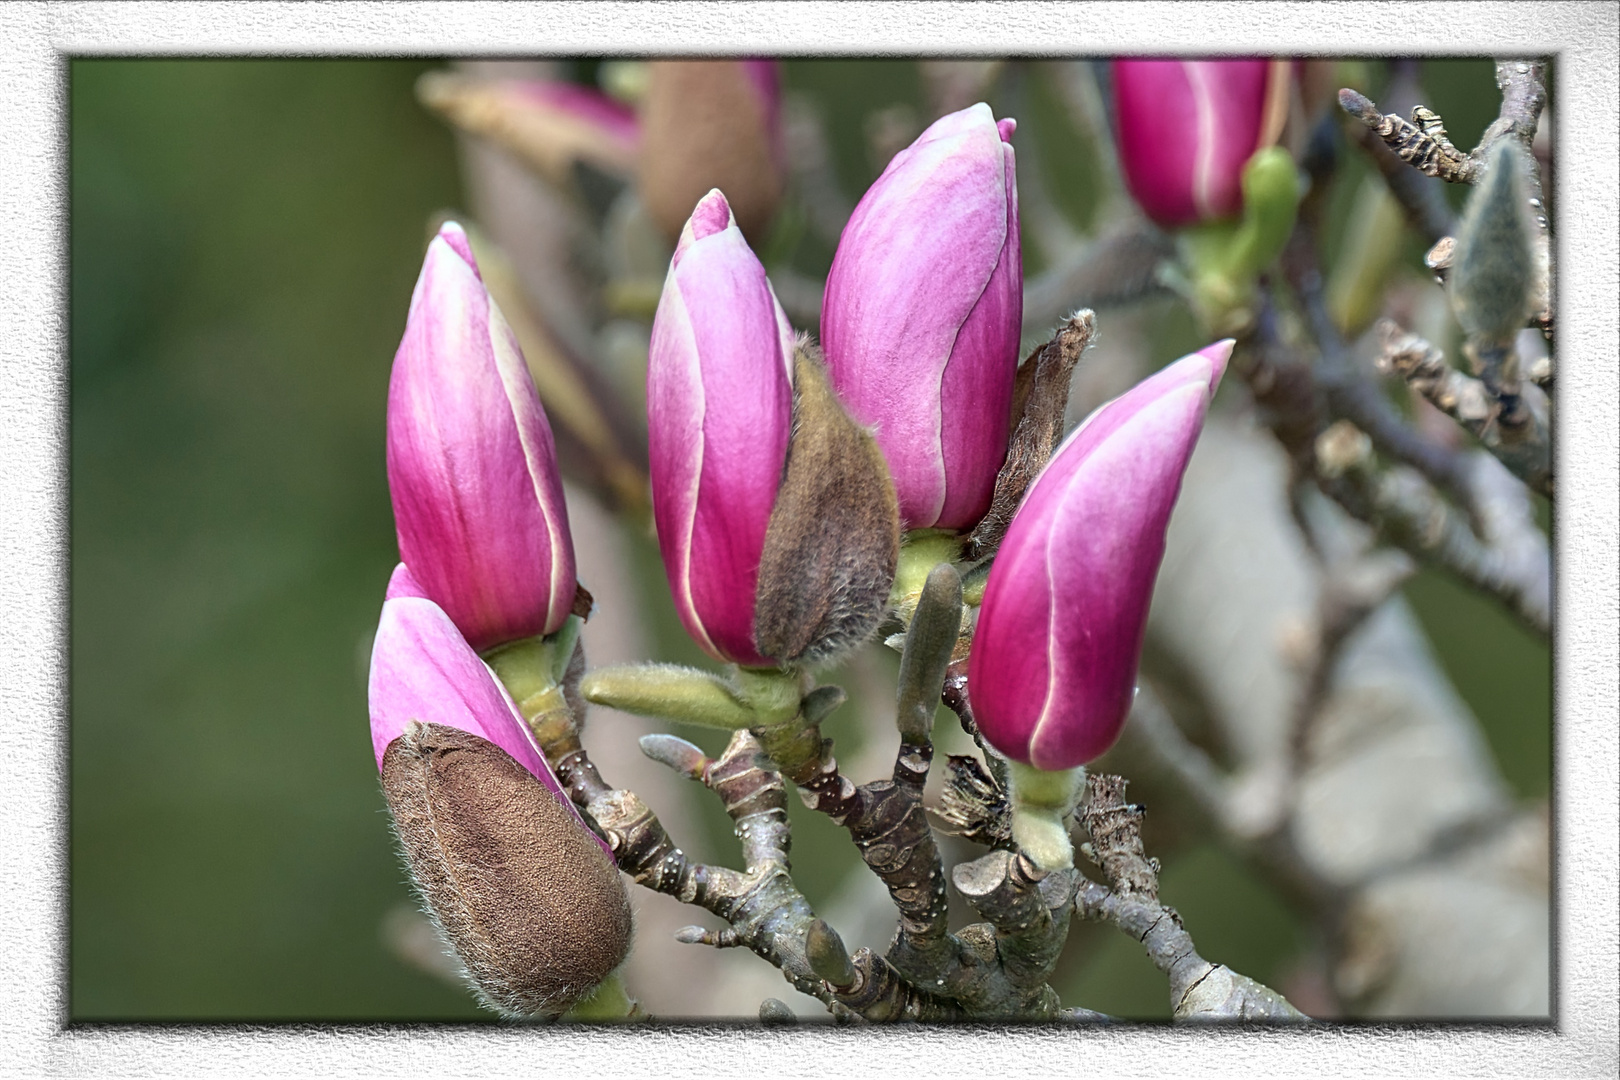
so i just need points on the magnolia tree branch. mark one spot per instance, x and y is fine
(1524, 446)
(1486, 547)
(766, 912)
(1399, 844)
(1118, 268)
(1422, 143)
(1199, 990)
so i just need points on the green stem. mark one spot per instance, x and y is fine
(1042, 801)
(922, 550)
(608, 1002)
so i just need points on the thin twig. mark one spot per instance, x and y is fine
(1119, 268)
(1511, 563)
(1524, 445)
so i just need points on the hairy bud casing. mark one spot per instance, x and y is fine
(1493, 275)
(531, 903)
(526, 894)
(834, 533)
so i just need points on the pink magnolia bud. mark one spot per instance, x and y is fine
(1185, 129)
(423, 669)
(774, 509)
(525, 892)
(478, 503)
(922, 313)
(719, 416)
(1053, 668)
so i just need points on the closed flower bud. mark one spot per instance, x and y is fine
(711, 124)
(774, 510)
(922, 315)
(1053, 668)
(528, 897)
(478, 503)
(1186, 128)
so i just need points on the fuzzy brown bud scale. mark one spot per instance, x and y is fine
(834, 534)
(524, 894)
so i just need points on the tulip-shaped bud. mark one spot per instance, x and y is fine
(526, 894)
(775, 514)
(1053, 668)
(478, 503)
(1186, 128)
(922, 314)
(711, 124)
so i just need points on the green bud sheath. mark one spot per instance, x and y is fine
(669, 691)
(1041, 802)
(1270, 204)
(1225, 258)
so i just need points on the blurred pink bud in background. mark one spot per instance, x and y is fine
(1186, 128)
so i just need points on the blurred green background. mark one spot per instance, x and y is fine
(245, 236)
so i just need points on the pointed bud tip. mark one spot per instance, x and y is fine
(402, 583)
(1006, 125)
(455, 237)
(1219, 355)
(712, 214)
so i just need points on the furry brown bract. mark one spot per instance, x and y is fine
(531, 903)
(834, 534)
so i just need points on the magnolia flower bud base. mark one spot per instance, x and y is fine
(1042, 805)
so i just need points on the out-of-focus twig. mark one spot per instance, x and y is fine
(811, 168)
(1121, 267)
(1509, 562)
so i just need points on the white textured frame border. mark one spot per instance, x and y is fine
(37, 38)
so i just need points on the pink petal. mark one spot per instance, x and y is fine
(917, 261)
(422, 669)
(471, 463)
(719, 418)
(1053, 667)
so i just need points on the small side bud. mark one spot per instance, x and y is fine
(676, 753)
(525, 895)
(828, 956)
(1493, 271)
(834, 534)
(773, 1012)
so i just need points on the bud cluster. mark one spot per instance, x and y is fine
(787, 488)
